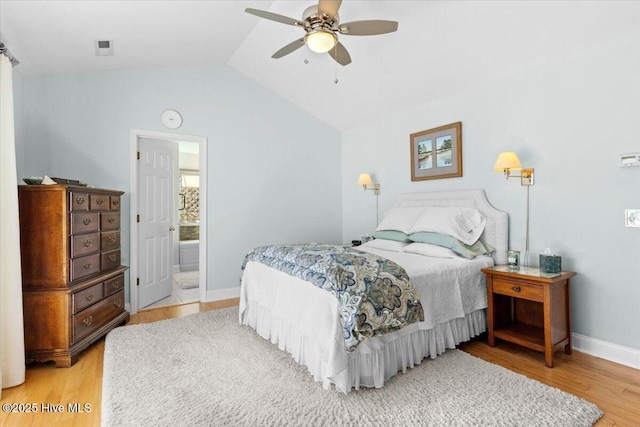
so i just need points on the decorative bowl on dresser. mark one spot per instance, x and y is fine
(72, 280)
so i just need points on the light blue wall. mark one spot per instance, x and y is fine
(18, 117)
(274, 172)
(569, 120)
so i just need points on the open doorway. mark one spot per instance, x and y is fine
(168, 219)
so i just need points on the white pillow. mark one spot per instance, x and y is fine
(465, 224)
(427, 249)
(401, 219)
(385, 245)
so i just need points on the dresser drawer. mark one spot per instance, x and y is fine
(79, 201)
(115, 203)
(109, 221)
(516, 289)
(86, 297)
(110, 260)
(84, 222)
(97, 315)
(99, 202)
(114, 285)
(84, 266)
(84, 244)
(110, 240)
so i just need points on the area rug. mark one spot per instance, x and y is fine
(207, 370)
(187, 279)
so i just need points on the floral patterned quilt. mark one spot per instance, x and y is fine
(374, 294)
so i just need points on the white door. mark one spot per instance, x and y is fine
(156, 204)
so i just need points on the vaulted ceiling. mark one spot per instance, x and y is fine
(441, 47)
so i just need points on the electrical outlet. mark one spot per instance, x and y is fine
(632, 217)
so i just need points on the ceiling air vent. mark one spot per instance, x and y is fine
(104, 47)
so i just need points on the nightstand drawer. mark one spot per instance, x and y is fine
(518, 289)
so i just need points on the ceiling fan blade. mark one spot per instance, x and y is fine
(368, 28)
(340, 54)
(289, 48)
(274, 17)
(329, 7)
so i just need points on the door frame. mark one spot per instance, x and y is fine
(133, 204)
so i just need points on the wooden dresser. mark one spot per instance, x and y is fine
(72, 280)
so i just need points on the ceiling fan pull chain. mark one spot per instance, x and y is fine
(336, 67)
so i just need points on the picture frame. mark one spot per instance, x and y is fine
(436, 153)
(632, 217)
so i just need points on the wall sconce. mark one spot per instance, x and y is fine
(365, 180)
(508, 161)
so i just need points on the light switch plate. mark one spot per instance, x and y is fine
(632, 217)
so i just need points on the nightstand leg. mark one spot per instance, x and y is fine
(491, 321)
(548, 357)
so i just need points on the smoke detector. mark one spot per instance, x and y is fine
(104, 47)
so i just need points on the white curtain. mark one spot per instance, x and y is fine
(12, 360)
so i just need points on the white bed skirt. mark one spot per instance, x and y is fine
(376, 360)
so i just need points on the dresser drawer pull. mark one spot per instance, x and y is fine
(112, 258)
(89, 297)
(88, 321)
(99, 202)
(86, 221)
(80, 200)
(116, 202)
(88, 243)
(117, 302)
(87, 265)
(111, 220)
(515, 288)
(115, 285)
(112, 239)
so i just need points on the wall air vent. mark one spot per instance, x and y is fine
(104, 47)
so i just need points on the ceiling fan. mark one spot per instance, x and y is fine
(321, 24)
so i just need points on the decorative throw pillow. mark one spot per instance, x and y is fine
(467, 251)
(396, 235)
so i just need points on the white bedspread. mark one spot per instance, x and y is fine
(449, 288)
(304, 320)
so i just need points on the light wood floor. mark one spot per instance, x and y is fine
(614, 388)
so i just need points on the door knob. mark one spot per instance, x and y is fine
(171, 228)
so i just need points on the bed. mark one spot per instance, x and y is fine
(305, 320)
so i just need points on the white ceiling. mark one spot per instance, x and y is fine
(441, 47)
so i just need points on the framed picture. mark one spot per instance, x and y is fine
(632, 217)
(436, 153)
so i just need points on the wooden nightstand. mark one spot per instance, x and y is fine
(530, 308)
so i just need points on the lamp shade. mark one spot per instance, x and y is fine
(507, 160)
(365, 180)
(321, 41)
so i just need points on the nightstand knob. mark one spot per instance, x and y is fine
(515, 288)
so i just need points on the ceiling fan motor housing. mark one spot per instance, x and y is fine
(310, 15)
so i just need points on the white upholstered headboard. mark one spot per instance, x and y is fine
(496, 232)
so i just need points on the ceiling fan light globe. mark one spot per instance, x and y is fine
(321, 41)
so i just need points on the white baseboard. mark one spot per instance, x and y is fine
(615, 353)
(222, 294)
(176, 268)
